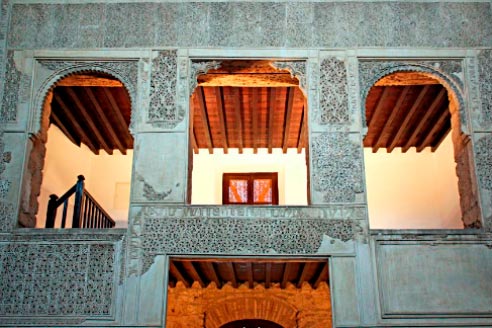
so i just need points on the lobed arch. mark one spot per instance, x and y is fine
(40, 120)
(372, 72)
(64, 69)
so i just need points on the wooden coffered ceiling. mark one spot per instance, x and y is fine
(250, 271)
(94, 110)
(248, 104)
(407, 110)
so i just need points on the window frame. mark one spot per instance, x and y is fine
(250, 177)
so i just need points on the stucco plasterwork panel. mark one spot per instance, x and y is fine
(159, 167)
(448, 72)
(16, 89)
(239, 230)
(53, 70)
(252, 24)
(485, 86)
(57, 279)
(483, 162)
(163, 110)
(334, 107)
(337, 169)
(11, 155)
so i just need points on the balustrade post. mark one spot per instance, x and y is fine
(51, 211)
(79, 192)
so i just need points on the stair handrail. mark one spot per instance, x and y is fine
(85, 207)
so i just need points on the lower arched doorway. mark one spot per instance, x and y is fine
(251, 323)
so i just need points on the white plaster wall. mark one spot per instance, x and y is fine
(413, 190)
(107, 177)
(208, 170)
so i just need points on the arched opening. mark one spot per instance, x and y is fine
(248, 117)
(419, 170)
(251, 323)
(84, 131)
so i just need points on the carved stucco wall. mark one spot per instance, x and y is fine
(70, 275)
(251, 24)
(303, 307)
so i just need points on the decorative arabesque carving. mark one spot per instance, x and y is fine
(6, 207)
(337, 167)
(333, 92)
(68, 279)
(485, 81)
(296, 69)
(12, 85)
(483, 158)
(150, 193)
(201, 67)
(163, 110)
(124, 70)
(448, 72)
(215, 230)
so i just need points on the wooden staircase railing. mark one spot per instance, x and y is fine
(87, 213)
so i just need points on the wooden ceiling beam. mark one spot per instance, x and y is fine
(288, 117)
(89, 120)
(413, 138)
(285, 275)
(435, 128)
(389, 122)
(304, 272)
(302, 133)
(248, 80)
(193, 272)
(268, 274)
(272, 97)
(107, 125)
(319, 277)
(76, 125)
(254, 119)
(84, 80)
(408, 118)
(237, 116)
(222, 121)
(249, 270)
(213, 273)
(64, 129)
(178, 275)
(117, 113)
(203, 114)
(379, 106)
(230, 266)
(193, 142)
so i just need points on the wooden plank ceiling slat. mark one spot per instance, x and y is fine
(250, 272)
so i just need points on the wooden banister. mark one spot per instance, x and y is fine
(87, 212)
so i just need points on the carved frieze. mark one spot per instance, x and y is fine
(448, 72)
(296, 69)
(337, 167)
(237, 230)
(163, 109)
(333, 92)
(65, 279)
(485, 81)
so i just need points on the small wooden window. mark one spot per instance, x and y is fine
(250, 188)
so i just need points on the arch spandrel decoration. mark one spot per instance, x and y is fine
(124, 70)
(448, 72)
